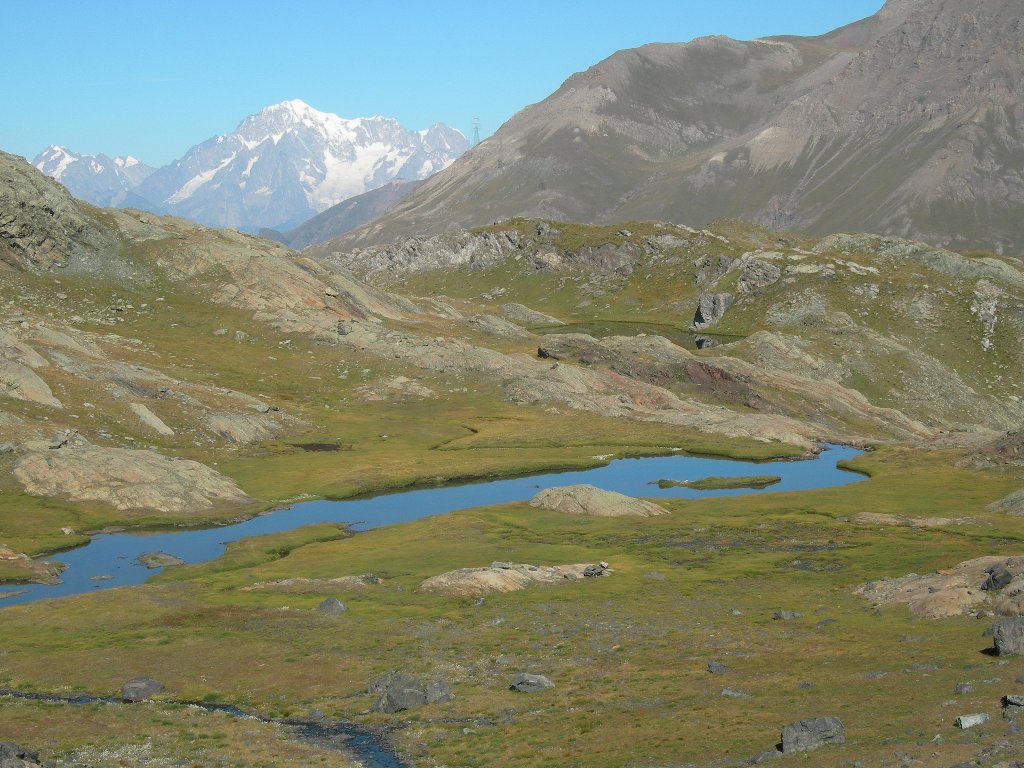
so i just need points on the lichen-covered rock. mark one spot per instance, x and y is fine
(588, 500)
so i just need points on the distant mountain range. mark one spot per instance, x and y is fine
(97, 179)
(279, 168)
(909, 123)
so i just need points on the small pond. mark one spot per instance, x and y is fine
(109, 560)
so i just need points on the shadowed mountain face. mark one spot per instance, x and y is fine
(908, 123)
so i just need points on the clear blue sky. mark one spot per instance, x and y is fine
(151, 78)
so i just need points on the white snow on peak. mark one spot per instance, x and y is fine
(188, 188)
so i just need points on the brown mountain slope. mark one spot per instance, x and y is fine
(907, 123)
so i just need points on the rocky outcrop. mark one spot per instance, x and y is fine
(496, 326)
(13, 756)
(711, 308)
(127, 480)
(519, 313)
(1011, 504)
(994, 582)
(242, 427)
(42, 227)
(22, 383)
(150, 419)
(756, 275)
(507, 577)
(595, 502)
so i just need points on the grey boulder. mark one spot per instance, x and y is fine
(13, 756)
(812, 733)
(1008, 637)
(397, 691)
(711, 308)
(526, 683)
(332, 606)
(140, 689)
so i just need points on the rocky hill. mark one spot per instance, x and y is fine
(907, 123)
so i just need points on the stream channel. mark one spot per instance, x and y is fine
(110, 560)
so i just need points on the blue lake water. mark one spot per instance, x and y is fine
(113, 556)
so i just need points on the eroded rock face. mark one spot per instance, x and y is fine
(588, 500)
(507, 577)
(127, 480)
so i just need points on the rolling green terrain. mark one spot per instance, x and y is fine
(156, 373)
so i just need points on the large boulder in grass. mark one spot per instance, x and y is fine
(588, 500)
(1008, 637)
(812, 733)
(397, 691)
(527, 683)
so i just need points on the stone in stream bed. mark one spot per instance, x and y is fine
(139, 689)
(158, 560)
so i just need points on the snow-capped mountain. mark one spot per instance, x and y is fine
(289, 162)
(97, 179)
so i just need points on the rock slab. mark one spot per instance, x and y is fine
(812, 733)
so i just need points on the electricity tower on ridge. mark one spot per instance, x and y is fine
(476, 131)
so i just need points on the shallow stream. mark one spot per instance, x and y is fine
(110, 560)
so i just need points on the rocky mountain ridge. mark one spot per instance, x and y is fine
(907, 123)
